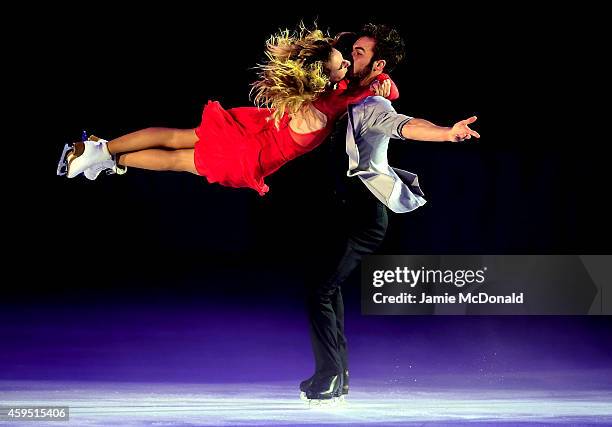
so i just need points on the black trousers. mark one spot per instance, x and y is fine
(366, 224)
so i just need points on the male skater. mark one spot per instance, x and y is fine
(368, 189)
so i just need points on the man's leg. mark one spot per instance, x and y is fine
(323, 333)
(326, 310)
(338, 307)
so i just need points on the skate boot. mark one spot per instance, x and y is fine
(110, 166)
(80, 156)
(345, 382)
(325, 390)
(304, 385)
(111, 169)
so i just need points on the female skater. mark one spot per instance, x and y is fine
(301, 84)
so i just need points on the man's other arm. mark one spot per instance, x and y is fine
(423, 130)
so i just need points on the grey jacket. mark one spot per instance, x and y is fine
(371, 124)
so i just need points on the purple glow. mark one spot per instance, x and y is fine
(225, 343)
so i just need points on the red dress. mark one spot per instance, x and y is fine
(240, 146)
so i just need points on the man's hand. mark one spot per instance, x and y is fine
(461, 131)
(381, 89)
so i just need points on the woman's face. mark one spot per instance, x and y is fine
(337, 66)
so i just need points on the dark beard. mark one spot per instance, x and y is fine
(361, 75)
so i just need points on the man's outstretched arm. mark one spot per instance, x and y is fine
(422, 130)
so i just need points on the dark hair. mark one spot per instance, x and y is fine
(344, 43)
(389, 45)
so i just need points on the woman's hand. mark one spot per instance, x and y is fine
(381, 89)
(461, 131)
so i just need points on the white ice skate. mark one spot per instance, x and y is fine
(89, 157)
(81, 156)
(110, 166)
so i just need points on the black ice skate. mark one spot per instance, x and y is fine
(345, 382)
(304, 385)
(323, 390)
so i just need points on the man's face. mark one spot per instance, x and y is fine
(363, 52)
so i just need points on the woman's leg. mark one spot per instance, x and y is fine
(174, 139)
(180, 160)
(101, 156)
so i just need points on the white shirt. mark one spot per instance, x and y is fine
(370, 126)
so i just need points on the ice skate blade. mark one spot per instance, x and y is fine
(62, 166)
(323, 403)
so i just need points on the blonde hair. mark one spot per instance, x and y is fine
(294, 73)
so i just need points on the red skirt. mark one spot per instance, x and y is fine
(240, 146)
(229, 146)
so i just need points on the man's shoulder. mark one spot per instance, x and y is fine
(375, 103)
(371, 109)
